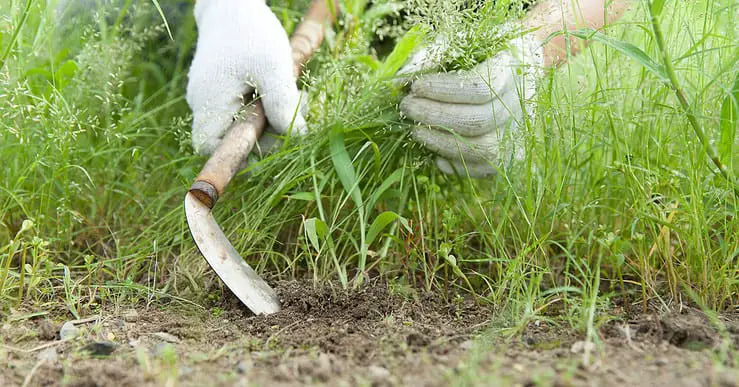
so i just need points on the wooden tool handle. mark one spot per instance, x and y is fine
(243, 135)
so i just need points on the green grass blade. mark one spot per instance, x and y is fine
(386, 184)
(16, 32)
(343, 166)
(657, 7)
(402, 51)
(316, 230)
(164, 18)
(625, 48)
(381, 222)
(729, 111)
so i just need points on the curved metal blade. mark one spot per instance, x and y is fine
(243, 281)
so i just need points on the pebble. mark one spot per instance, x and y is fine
(131, 315)
(49, 354)
(583, 347)
(661, 361)
(68, 331)
(379, 376)
(244, 366)
(283, 373)
(168, 337)
(467, 345)
(100, 348)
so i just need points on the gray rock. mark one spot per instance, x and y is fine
(244, 367)
(583, 347)
(68, 331)
(130, 315)
(49, 355)
(379, 376)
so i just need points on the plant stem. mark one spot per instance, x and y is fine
(16, 32)
(682, 97)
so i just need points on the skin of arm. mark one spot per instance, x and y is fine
(550, 16)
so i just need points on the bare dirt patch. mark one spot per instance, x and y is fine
(371, 336)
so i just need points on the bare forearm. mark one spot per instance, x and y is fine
(550, 16)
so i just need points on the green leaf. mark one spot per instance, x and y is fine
(304, 196)
(316, 230)
(368, 61)
(382, 221)
(343, 166)
(387, 183)
(625, 48)
(729, 112)
(656, 7)
(402, 51)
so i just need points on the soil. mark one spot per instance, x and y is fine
(370, 336)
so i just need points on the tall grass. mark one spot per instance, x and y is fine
(615, 202)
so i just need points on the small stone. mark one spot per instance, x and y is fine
(379, 376)
(661, 361)
(529, 340)
(168, 337)
(283, 373)
(100, 348)
(131, 315)
(68, 331)
(323, 367)
(583, 347)
(244, 366)
(467, 345)
(46, 330)
(49, 354)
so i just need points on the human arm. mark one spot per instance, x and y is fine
(550, 16)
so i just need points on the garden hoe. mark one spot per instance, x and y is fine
(218, 171)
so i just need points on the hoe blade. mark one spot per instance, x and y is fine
(243, 281)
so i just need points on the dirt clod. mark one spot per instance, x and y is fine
(46, 330)
(690, 329)
(100, 348)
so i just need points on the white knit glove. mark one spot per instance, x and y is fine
(241, 47)
(473, 115)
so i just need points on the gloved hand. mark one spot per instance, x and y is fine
(473, 115)
(241, 47)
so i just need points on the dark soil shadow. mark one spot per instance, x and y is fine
(325, 335)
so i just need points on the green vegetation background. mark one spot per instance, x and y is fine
(616, 201)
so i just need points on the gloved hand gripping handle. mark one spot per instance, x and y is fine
(243, 135)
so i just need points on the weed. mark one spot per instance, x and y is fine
(616, 198)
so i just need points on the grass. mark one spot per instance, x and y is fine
(616, 200)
